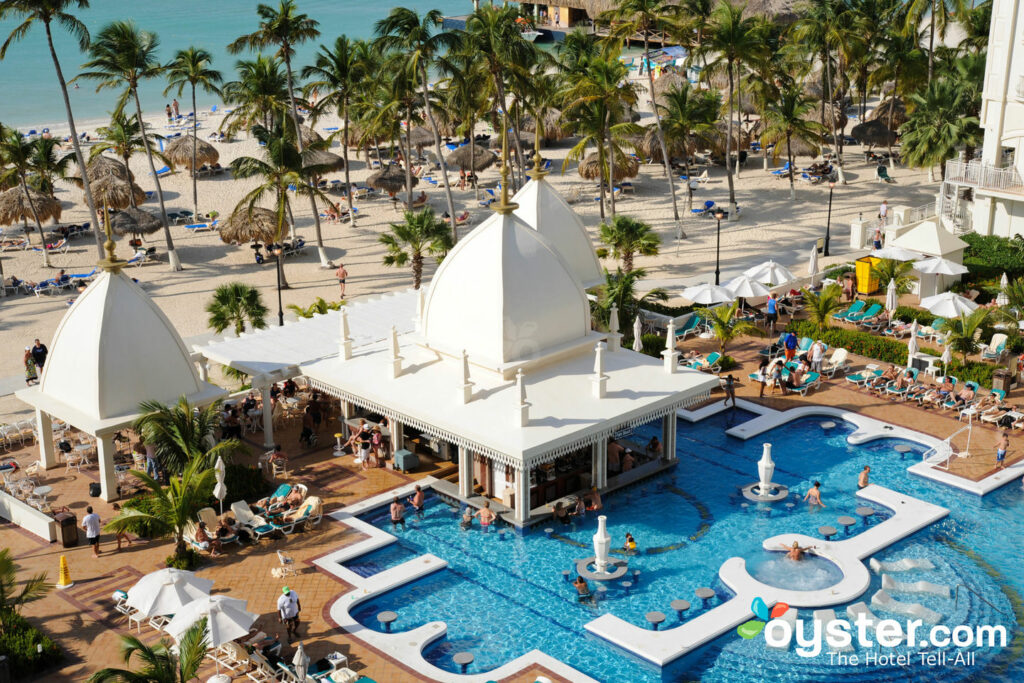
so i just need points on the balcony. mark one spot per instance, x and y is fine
(984, 176)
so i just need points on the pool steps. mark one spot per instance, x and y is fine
(884, 601)
(905, 564)
(891, 584)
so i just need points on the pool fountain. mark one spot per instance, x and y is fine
(764, 491)
(600, 567)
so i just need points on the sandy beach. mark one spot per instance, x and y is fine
(770, 226)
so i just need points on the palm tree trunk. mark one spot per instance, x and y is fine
(172, 256)
(832, 121)
(931, 43)
(515, 132)
(344, 153)
(407, 152)
(686, 167)
(661, 135)
(611, 158)
(739, 113)
(35, 217)
(627, 261)
(417, 269)
(324, 261)
(97, 231)
(282, 199)
(131, 194)
(195, 143)
(437, 150)
(728, 149)
(472, 155)
(789, 161)
(600, 173)
(892, 114)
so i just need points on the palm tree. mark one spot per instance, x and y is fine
(46, 165)
(336, 72)
(259, 96)
(901, 61)
(284, 27)
(416, 38)
(12, 599)
(318, 307)
(421, 233)
(963, 334)
(940, 14)
(627, 236)
(235, 304)
(191, 67)
(16, 162)
(576, 50)
(648, 18)
(938, 126)
(887, 270)
(619, 289)
(466, 95)
(122, 55)
(181, 434)
(688, 111)
(731, 40)
(123, 137)
(976, 27)
(726, 326)
(46, 12)
(786, 119)
(160, 663)
(821, 305)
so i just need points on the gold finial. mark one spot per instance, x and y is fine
(537, 173)
(111, 264)
(504, 207)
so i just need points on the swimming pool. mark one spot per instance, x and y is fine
(503, 595)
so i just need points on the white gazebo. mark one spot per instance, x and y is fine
(931, 239)
(113, 349)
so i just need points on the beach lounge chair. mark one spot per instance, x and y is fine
(781, 171)
(160, 172)
(995, 349)
(774, 349)
(901, 392)
(208, 516)
(951, 401)
(855, 307)
(244, 516)
(871, 312)
(486, 201)
(710, 362)
(868, 373)
(838, 362)
(689, 327)
(709, 205)
(882, 174)
(812, 380)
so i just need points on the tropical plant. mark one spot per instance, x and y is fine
(963, 334)
(937, 127)
(183, 434)
(122, 55)
(46, 12)
(123, 137)
(258, 97)
(46, 164)
(1014, 292)
(887, 270)
(901, 62)
(576, 50)
(725, 326)
(941, 13)
(786, 119)
(318, 307)
(191, 67)
(820, 306)
(11, 598)
(627, 236)
(160, 663)
(233, 305)
(421, 233)
(620, 290)
(688, 111)
(15, 163)
(466, 95)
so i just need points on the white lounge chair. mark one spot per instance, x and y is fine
(891, 584)
(905, 564)
(884, 601)
(838, 362)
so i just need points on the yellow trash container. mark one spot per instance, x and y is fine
(866, 282)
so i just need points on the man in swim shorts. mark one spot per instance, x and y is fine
(397, 513)
(1002, 446)
(862, 479)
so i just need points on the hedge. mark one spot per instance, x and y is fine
(20, 641)
(989, 256)
(910, 313)
(674, 311)
(653, 344)
(973, 372)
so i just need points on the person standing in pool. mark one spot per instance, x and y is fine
(629, 547)
(796, 552)
(814, 495)
(416, 500)
(467, 519)
(486, 515)
(397, 513)
(1002, 446)
(862, 479)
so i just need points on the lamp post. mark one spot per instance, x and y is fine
(278, 253)
(719, 215)
(828, 223)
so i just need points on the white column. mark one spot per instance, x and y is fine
(204, 367)
(105, 450)
(268, 418)
(47, 453)
(465, 472)
(668, 440)
(522, 495)
(599, 464)
(347, 410)
(397, 434)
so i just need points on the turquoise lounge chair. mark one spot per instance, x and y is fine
(863, 376)
(710, 362)
(874, 310)
(689, 327)
(856, 307)
(893, 391)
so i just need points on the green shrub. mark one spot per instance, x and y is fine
(911, 313)
(728, 363)
(861, 343)
(142, 502)
(838, 271)
(972, 372)
(20, 641)
(674, 311)
(189, 561)
(245, 482)
(988, 256)
(653, 344)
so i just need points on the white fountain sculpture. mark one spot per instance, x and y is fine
(600, 567)
(763, 490)
(766, 468)
(602, 541)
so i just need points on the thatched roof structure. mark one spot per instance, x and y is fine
(554, 127)
(625, 167)
(460, 158)
(255, 225)
(322, 159)
(100, 166)
(649, 147)
(835, 117)
(668, 81)
(114, 192)
(310, 136)
(881, 112)
(14, 206)
(132, 221)
(873, 133)
(527, 140)
(179, 152)
(390, 180)
(715, 140)
(781, 11)
(420, 137)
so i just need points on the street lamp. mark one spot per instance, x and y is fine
(278, 254)
(719, 215)
(828, 223)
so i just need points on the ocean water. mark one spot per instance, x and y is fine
(32, 96)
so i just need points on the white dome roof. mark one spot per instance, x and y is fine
(505, 296)
(114, 349)
(547, 212)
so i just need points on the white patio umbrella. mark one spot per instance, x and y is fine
(300, 662)
(912, 344)
(891, 300)
(897, 254)
(165, 591)
(745, 287)
(226, 619)
(1001, 298)
(939, 266)
(947, 356)
(913, 329)
(220, 491)
(638, 343)
(812, 264)
(770, 273)
(948, 305)
(707, 294)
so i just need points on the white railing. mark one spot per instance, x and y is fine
(915, 215)
(984, 176)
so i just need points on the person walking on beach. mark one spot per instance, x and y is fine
(170, 115)
(91, 524)
(341, 274)
(1002, 446)
(174, 106)
(39, 353)
(30, 368)
(288, 609)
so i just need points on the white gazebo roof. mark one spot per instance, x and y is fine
(930, 238)
(114, 349)
(547, 212)
(506, 297)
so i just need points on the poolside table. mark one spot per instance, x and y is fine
(463, 659)
(655, 618)
(704, 594)
(827, 531)
(387, 618)
(828, 425)
(626, 585)
(846, 521)
(679, 606)
(865, 512)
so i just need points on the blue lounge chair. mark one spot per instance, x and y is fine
(709, 362)
(874, 310)
(688, 328)
(162, 172)
(782, 171)
(894, 391)
(708, 206)
(856, 307)
(812, 380)
(863, 376)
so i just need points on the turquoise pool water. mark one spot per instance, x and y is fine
(502, 596)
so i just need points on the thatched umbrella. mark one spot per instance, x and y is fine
(873, 133)
(668, 81)
(390, 180)
(420, 137)
(310, 136)
(779, 11)
(133, 221)
(179, 152)
(650, 148)
(715, 140)
(835, 117)
(527, 140)
(257, 225)
(100, 166)
(625, 167)
(460, 158)
(114, 192)
(554, 128)
(328, 161)
(881, 112)
(799, 147)
(14, 206)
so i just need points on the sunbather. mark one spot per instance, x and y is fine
(883, 380)
(965, 396)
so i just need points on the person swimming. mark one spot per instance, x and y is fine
(629, 547)
(796, 552)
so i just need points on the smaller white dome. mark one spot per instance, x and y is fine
(547, 212)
